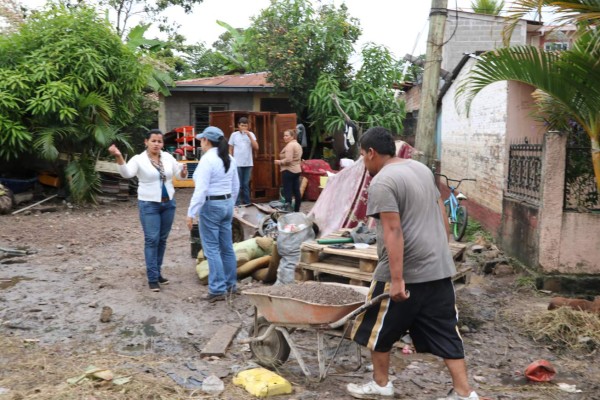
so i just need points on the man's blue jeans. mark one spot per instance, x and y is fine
(215, 232)
(244, 173)
(157, 219)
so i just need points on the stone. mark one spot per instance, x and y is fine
(503, 270)
(477, 248)
(106, 314)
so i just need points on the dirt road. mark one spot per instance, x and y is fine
(87, 259)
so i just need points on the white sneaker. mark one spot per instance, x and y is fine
(370, 390)
(454, 396)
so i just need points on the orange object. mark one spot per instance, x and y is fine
(540, 371)
(49, 179)
(184, 139)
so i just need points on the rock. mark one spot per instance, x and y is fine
(503, 270)
(491, 254)
(479, 379)
(106, 314)
(477, 248)
(464, 329)
(488, 266)
(213, 385)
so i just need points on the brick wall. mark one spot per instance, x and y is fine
(475, 32)
(475, 147)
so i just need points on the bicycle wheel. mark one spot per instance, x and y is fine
(460, 226)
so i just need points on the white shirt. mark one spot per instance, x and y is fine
(242, 148)
(210, 179)
(150, 185)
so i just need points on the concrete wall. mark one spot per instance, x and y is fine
(519, 232)
(520, 123)
(475, 146)
(580, 243)
(475, 32)
(569, 242)
(176, 110)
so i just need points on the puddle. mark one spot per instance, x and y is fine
(149, 330)
(10, 282)
(139, 347)
(128, 333)
(134, 347)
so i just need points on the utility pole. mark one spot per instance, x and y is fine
(425, 137)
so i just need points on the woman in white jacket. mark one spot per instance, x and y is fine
(154, 169)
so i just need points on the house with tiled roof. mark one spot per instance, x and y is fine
(192, 100)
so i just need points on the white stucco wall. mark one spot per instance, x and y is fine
(475, 146)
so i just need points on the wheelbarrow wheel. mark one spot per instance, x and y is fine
(271, 352)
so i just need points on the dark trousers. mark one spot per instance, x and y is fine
(291, 185)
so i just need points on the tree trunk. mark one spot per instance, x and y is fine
(596, 161)
(6, 200)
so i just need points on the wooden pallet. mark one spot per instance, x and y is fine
(357, 265)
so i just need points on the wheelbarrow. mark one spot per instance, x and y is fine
(271, 335)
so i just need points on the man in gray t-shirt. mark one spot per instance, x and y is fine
(406, 187)
(415, 268)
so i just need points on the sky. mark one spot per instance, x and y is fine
(397, 24)
(400, 25)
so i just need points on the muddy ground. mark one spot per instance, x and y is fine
(87, 259)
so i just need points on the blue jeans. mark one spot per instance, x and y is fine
(215, 232)
(244, 173)
(157, 219)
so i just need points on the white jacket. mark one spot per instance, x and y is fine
(150, 188)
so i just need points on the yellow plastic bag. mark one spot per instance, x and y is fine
(261, 382)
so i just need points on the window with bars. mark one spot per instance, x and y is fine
(200, 114)
(554, 46)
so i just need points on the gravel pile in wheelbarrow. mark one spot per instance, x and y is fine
(314, 292)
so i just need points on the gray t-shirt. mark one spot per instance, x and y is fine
(408, 188)
(242, 148)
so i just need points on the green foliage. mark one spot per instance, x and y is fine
(525, 283)
(67, 83)
(489, 7)
(297, 43)
(368, 100)
(234, 50)
(475, 230)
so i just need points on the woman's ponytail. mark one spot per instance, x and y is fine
(223, 151)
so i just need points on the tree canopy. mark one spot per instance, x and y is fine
(296, 43)
(67, 84)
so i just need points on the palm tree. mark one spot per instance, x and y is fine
(568, 82)
(489, 7)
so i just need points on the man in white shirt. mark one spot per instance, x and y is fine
(241, 145)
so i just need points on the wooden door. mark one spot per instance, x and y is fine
(226, 121)
(263, 186)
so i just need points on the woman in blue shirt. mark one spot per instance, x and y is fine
(154, 169)
(216, 188)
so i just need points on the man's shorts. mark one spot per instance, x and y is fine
(429, 315)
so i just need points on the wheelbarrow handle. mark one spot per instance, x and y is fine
(368, 304)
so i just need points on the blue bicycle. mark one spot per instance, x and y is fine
(458, 217)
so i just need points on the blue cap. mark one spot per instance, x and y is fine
(211, 133)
